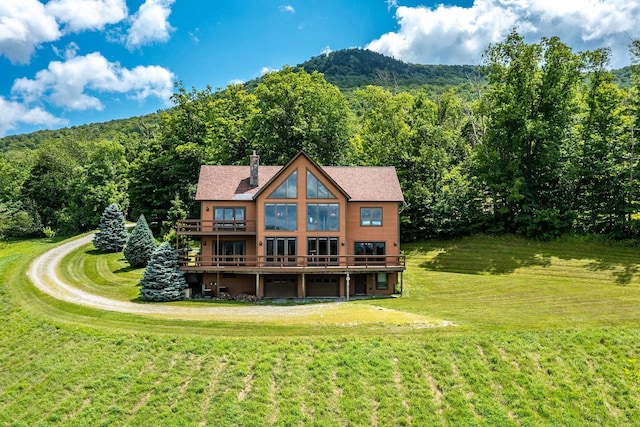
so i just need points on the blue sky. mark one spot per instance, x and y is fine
(70, 62)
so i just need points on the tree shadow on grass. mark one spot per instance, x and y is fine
(504, 255)
(623, 272)
(126, 269)
(497, 257)
(95, 252)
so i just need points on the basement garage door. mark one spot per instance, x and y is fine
(323, 286)
(281, 287)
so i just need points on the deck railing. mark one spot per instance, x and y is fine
(292, 262)
(203, 226)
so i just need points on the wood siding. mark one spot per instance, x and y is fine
(241, 277)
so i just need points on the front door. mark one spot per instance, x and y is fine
(360, 284)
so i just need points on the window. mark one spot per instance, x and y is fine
(288, 189)
(323, 217)
(370, 252)
(371, 217)
(232, 252)
(381, 281)
(280, 249)
(316, 189)
(322, 250)
(281, 216)
(229, 217)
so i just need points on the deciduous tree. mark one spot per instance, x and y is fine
(531, 107)
(300, 111)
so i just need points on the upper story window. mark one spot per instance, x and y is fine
(370, 252)
(316, 189)
(281, 216)
(371, 217)
(323, 217)
(288, 189)
(229, 217)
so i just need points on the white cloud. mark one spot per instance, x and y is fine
(150, 23)
(82, 15)
(288, 8)
(27, 24)
(326, 50)
(14, 113)
(73, 84)
(456, 35)
(24, 24)
(266, 70)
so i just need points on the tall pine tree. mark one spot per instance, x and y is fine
(113, 232)
(140, 245)
(162, 281)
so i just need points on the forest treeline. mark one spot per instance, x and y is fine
(543, 144)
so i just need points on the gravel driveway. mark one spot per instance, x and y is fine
(44, 275)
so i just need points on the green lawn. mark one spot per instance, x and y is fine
(547, 334)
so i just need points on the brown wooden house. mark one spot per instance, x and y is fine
(295, 231)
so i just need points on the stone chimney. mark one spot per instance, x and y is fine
(254, 162)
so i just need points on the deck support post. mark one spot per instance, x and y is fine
(304, 286)
(258, 286)
(218, 284)
(348, 279)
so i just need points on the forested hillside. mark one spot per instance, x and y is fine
(543, 145)
(353, 68)
(90, 132)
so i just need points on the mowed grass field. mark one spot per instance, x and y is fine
(545, 334)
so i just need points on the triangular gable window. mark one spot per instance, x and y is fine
(316, 189)
(288, 189)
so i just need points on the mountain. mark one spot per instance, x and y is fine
(352, 68)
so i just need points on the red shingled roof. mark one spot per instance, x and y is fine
(362, 183)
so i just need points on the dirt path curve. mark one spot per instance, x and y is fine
(43, 272)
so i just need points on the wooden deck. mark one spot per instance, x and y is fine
(292, 264)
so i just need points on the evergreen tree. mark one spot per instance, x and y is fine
(140, 245)
(113, 233)
(162, 281)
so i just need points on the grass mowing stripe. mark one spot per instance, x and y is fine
(419, 393)
(166, 390)
(273, 409)
(253, 399)
(231, 384)
(321, 378)
(186, 395)
(212, 385)
(296, 382)
(33, 403)
(137, 391)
